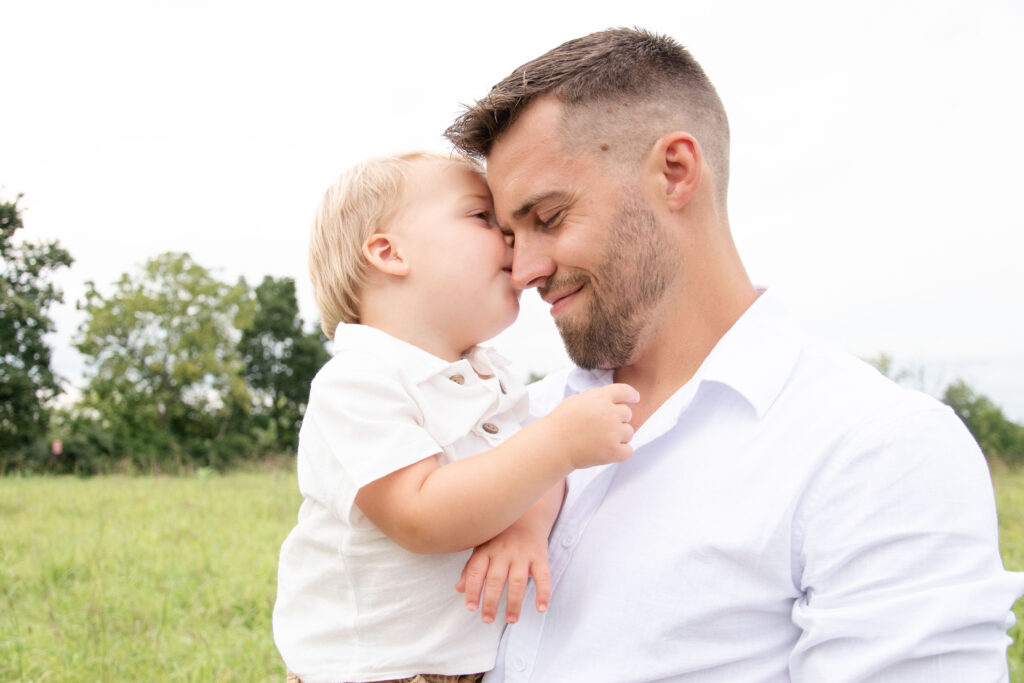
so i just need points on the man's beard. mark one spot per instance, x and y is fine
(634, 273)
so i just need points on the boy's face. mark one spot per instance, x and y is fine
(459, 261)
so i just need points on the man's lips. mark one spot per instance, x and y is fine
(560, 300)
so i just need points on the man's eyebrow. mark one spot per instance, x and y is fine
(530, 202)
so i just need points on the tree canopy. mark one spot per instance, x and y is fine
(999, 438)
(165, 370)
(27, 383)
(280, 359)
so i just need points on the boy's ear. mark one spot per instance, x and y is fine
(678, 162)
(381, 252)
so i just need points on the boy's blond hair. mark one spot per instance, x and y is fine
(363, 201)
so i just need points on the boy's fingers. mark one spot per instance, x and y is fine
(494, 586)
(474, 572)
(517, 579)
(542, 580)
(626, 432)
(460, 585)
(623, 452)
(623, 393)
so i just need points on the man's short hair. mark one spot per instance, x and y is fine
(364, 200)
(651, 83)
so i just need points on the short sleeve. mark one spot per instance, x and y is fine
(361, 424)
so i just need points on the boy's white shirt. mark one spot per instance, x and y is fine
(351, 603)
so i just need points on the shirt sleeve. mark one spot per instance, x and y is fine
(362, 422)
(901, 573)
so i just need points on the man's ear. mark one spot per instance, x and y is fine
(381, 251)
(678, 162)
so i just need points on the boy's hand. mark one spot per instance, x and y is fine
(510, 557)
(593, 426)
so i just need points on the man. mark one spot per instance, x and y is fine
(788, 514)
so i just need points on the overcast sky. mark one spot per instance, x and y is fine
(877, 166)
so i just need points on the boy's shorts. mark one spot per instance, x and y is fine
(419, 678)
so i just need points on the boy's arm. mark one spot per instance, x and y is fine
(427, 508)
(513, 556)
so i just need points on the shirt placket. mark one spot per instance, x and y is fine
(523, 640)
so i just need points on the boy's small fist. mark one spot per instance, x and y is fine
(595, 425)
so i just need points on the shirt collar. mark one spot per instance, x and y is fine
(754, 358)
(415, 364)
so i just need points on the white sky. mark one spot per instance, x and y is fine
(877, 167)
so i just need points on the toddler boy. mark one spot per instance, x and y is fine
(411, 451)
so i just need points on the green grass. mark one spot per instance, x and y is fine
(1009, 486)
(141, 578)
(173, 578)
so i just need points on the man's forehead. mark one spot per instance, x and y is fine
(522, 168)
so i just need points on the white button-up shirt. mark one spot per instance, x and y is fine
(788, 514)
(351, 603)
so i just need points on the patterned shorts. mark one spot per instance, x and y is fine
(419, 678)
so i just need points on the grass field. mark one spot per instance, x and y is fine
(141, 578)
(173, 578)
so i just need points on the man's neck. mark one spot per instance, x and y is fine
(685, 334)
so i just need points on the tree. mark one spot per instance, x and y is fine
(27, 383)
(999, 438)
(166, 375)
(280, 359)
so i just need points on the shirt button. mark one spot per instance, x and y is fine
(568, 540)
(501, 385)
(458, 379)
(490, 427)
(519, 664)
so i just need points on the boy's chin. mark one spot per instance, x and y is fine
(498, 327)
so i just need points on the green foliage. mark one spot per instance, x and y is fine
(27, 383)
(142, 578)
(280, 359)
(999, 438)
(166, 383)
(1009, 489)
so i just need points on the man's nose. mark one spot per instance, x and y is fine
(531, 265)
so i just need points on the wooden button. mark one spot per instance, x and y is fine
(490, 427)
(458, 379)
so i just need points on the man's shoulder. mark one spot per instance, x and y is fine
(836, 386)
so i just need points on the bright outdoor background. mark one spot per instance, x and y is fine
(876, 166)
(176, 147)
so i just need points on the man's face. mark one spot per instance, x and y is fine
(592, 247)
